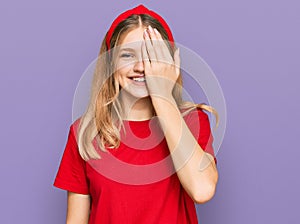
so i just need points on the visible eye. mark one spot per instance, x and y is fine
(126, 55)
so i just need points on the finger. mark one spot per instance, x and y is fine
(164, 52)
(145, 57)
(149, 46)
(159, 43)
(156, 43)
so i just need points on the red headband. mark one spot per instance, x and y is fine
(137, 10)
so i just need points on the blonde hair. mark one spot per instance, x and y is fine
(102, 120)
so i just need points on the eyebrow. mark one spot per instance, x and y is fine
(127, 49)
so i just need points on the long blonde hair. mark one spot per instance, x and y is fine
(102, 119)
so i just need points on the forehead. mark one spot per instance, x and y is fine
(133, 37)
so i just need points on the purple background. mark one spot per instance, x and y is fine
(253, 48)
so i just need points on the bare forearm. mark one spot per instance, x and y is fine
(196, 169)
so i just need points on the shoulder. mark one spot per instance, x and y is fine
(73, 129)
(198, 121)
(195, 113)
(76, 123)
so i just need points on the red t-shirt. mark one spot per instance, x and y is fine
(135, 183)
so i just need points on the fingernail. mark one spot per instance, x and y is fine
(146, 33)
(150, 28)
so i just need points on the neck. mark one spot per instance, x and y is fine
(136, 109)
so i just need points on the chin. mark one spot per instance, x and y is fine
(140, 95)
(136, 92)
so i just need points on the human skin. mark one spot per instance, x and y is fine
(147, 56)
(199, 174)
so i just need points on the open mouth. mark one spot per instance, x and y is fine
(138, 79)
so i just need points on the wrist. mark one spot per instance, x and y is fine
(166, 108)
(164, 101)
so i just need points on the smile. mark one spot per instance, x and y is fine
(138, 79)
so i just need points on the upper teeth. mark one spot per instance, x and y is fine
(139, 79)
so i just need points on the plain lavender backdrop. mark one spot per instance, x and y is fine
(253, 48)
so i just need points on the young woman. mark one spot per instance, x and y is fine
(139, 154)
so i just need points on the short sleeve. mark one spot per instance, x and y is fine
(71, 175)
(198, 123)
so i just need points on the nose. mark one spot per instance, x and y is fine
(139, 66)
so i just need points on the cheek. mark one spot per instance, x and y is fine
(121, 76)
(121, 73)
(123, 65)
(123, 70)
